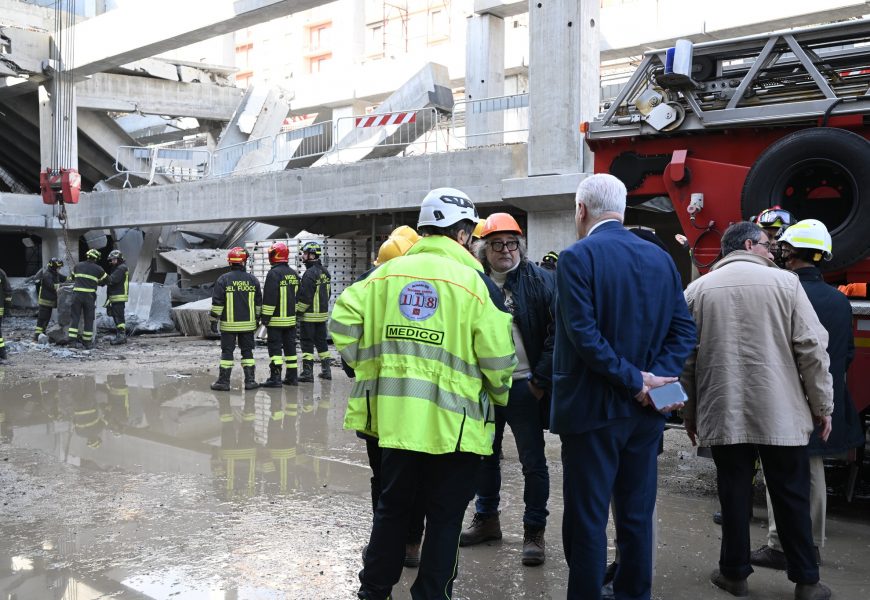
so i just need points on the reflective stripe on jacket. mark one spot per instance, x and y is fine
(87, 275)
(6, 287)
(279, 296)
(118, 284)
(314, 291)
(48, 284)
(237, 301)
(430, 340)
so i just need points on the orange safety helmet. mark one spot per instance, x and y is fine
(237, 256)
(279, 253)
(500, 223)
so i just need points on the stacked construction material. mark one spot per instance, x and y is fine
(192, 319)
(345, 259)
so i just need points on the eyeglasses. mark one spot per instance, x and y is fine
(765, 244)
(498, 245)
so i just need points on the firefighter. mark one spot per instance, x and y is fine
(774, 221)
(312, 304)
(549, 261)
(236, 304)
(429, 339)
(279, 316)
(117, 295)
(86, 275)
(48, 283)
(5, 308)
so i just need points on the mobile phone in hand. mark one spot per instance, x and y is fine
(668, 395)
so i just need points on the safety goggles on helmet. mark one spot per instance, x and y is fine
(312, 248)
(774, 217)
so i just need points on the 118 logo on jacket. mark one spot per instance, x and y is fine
(418, 301)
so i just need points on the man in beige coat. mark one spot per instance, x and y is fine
(757, 382)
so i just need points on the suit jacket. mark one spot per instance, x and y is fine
(620, 310)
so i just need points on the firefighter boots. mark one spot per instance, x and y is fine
(3, 354)
(120, 338)
(250, 380)
(290, 377)
(307, 375)
(325, 368)
(533, 546)
(223, 381)
(274, 380)
(483, 528)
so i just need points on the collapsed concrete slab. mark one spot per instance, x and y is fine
(197, 266)
(147, 311)
(192, 319)
(23, 293)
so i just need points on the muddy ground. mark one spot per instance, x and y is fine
(180, 492)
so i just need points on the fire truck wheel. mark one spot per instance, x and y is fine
(818, 173)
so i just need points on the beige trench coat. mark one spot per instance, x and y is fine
(760, 370)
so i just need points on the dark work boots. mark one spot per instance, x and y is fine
(274, 380)
(223, 381)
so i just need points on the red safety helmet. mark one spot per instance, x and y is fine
(237, 256)
(279, 253)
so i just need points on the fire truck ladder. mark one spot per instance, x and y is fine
(787, 77)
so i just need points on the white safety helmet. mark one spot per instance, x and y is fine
(443, 207)
(810, 234)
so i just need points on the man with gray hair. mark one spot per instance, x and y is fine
(756, 382)
(622, 328)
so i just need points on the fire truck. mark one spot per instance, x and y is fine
(725, 129)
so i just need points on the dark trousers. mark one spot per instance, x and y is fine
(617, 459)
(418, 509)
(228, 346)
(313, 335)
(281, 342)
(446, 483)
(82, 306)
(787, 473)
(523, 415)
(116, 311)
(43, 316)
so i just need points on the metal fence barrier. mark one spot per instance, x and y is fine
(160, 162)
(305, 142)
(387, 134)
(242, 157)
(496, 120)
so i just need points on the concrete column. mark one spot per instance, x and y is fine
(564, 70)
(550, 230)
(342, 125)
(484, 78)
(54, 244)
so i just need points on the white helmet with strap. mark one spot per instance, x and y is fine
(443, 207)
(810, 234)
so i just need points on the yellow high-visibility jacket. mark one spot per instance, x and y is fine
(430, 340)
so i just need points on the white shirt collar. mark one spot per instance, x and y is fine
(594, 227)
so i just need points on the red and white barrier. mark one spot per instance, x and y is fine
(398, 118)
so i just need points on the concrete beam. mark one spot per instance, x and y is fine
(376, 186)
(122, 93)
(25, 211)
(501, 8)
(102, 130)
(484, 77)
(109, 40)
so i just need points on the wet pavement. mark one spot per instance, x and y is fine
(149, 485)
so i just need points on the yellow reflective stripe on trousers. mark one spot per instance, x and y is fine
(418, 350)
(421, 389)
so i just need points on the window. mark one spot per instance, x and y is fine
(375, 40)
(439, 27)
(320, 63)
(319, 36)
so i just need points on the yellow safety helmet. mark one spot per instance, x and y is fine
(478, 229)
(407, 232)
(810, 234)
(394, 246)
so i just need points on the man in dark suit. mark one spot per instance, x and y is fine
(622, 328)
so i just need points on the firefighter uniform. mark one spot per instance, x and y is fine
(117, 295)
(47, 299)
(430, 342)
(312, 304)
(279, 317)
(5, 307)
(236, 303)
(87, 275)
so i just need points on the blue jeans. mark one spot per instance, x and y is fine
(523, 415)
